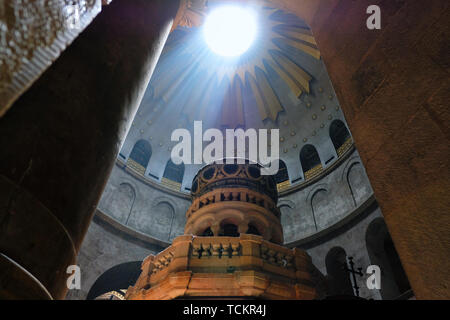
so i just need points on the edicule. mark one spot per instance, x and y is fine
(232, 245)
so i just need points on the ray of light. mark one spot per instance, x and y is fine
(297, 74)
(188, 63)
(233, 105)
(301, 45)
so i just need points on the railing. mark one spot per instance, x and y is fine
(228, 266)
(313, 172)
(135, 166)
(176, 186)
(283, 185)
(229, 194)
(345, 146)
(216, 253)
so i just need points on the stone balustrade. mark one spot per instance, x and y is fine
(233, 194)
(226, 258)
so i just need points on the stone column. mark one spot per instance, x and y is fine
(393, 87)
(60, 139)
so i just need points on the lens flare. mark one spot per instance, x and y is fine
(230, 31)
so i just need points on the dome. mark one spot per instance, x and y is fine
(280, 83)
(233, 175)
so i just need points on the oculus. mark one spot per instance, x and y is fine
(230, 30)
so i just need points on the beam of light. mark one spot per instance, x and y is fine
(229, 31)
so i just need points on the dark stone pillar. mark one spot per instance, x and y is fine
(60, 139)
(393, 87)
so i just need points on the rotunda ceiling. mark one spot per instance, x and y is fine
(280, 82)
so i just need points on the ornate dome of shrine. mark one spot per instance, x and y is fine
(223, 175)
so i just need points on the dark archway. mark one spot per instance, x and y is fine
(207, 233)
(253, 230)
(309, 158)
(174, 172)
(339, 134)
(382, 252)
(229, 230)
(110, 285)
(282, 176)
(141, 153)
(339, 279)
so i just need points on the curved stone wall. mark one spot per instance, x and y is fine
(317, 206)
(320, 205)
(135, 218)
(143, 208)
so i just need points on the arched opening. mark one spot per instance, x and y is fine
(310, 161)
(229, 230)
(282, 176)
(140, 156)
(173, 175)
(340, 136)
(113, 283)
(382, 252)
(253, 230)
(207, 233)
(338, 277)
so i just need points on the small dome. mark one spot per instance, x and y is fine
(231, 174)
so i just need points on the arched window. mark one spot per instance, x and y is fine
(310, 160)
(382, 253)
(339, 136)
(338, 277)
(140, 156)
(173, 175)
(282, 176)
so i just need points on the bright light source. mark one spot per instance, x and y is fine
(229, 31)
